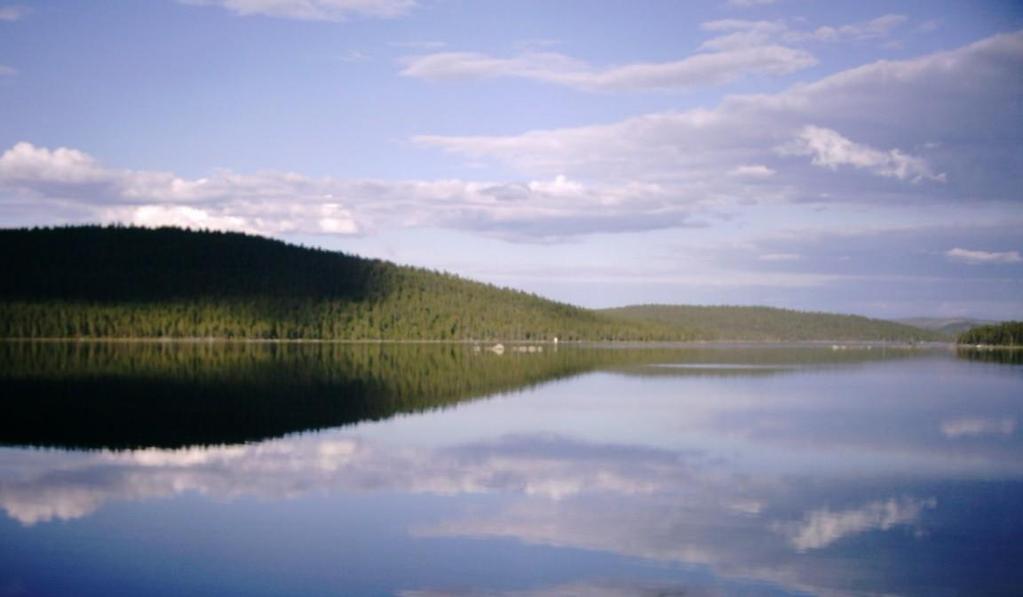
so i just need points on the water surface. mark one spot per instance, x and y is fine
(276, 469)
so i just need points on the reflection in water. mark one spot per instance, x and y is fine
(895, 475)
(821, 528)
(89, 394)
(1002, 356)
(658, 504)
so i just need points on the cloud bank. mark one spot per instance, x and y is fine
(283, 202)
(876, 120)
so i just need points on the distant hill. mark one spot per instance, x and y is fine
(949, 326)
(91, 281)
(768, 323)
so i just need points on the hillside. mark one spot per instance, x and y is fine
(95, 281)
(950, 326)
(123, 282)
(769, 324)
(1009, 333)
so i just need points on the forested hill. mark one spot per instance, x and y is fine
(1009, 333)
(767, 323)
(120, 282)
(93, 281)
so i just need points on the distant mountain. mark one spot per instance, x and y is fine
(768, 323)
(949, 326)
(92, 281)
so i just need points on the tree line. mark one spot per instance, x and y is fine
(1009, 333)
(116, 282)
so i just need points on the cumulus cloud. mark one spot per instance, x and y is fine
(281, 202)
(982, 257)
(702, 69)
(823, 527)
(829, 149)
(313, 10)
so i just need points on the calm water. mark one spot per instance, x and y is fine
(433, 470)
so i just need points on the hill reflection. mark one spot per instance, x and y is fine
(148, 394)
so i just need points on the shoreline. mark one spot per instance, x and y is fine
(620, 344)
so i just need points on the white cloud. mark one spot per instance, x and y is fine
(281, 202)
(823, 527)
(702, 69)
(753, 171)
(26, 163)
(973, 91)
(979, 257)
(748, 3)
(739, 48)
(13, 12)
(974, 426)
(873, 29)
(7, 71)
(740, 32)
(829, 149)
(313, 10)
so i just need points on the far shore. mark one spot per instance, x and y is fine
(834, 344)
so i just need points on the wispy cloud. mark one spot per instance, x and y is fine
(977, 426)
(697, 70)
(753, 171)
(741, 32)
(738, 48)
(981, 257)
(7, 71)
(313, 10)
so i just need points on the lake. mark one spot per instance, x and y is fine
(420, 470)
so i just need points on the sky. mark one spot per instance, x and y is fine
(861, 157)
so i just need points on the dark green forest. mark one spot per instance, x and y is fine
(119, 282)
(127, 282)
(770, 324)
(1009, 333)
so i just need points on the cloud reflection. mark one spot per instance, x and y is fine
(668, 505)
(823, 527)
(973, 426)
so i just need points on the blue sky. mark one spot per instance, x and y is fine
(845, 156)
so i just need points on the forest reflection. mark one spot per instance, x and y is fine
(140, 394)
